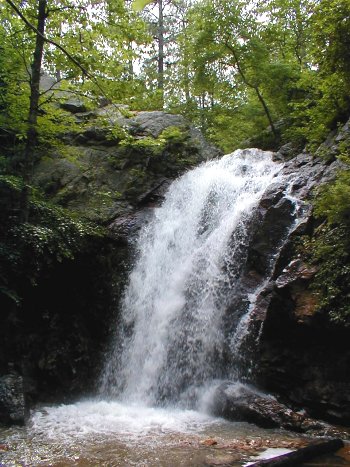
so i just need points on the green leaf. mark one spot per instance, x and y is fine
(138, 5)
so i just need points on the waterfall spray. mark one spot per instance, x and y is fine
(190, 256)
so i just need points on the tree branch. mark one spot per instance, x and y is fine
(58, 46)
(46, 39)
(253, 86)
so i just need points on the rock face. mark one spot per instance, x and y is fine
(115, 159)
(12, 404)
(301, 356)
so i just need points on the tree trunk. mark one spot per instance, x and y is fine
(267, 111)
(161, 50)
(302, 455)
(253, 86)
(32, 133)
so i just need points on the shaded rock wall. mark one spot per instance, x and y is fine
(301, 356)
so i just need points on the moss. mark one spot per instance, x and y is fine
(329, 250)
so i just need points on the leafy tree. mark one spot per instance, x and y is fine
(56, 48)
(321, 99)
(229, 56)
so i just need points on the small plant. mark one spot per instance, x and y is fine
(333, 200)
(174, 135)
(51, 235)
(329, 249)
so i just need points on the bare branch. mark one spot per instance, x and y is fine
(51, 87)
(46, 39)
(58, 46)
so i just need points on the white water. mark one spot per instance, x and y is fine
(189, 259)
(131, 422)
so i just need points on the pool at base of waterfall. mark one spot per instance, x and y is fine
(100, 433)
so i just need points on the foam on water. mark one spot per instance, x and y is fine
(128, 422)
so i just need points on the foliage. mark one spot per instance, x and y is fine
(323, 98)
(30, 249)
(148, 145)
(333, 201)
(222, 61)
(98, 36)
(238, 71)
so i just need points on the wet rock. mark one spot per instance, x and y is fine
(296, 271)
(125, 228)
(209, 442)
(239, 402)
(225, 460)
(12, 403)
(273, 227)
(285, 152)
(295, 278)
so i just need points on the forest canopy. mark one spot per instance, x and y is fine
(233, 67)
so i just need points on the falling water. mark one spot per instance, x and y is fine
(190, 256)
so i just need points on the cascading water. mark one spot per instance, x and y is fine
(190, 255)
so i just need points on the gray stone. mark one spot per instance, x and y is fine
(153, 123)
(285, 153)
(73, 105)
(12, 403)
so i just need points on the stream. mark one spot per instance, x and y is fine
(99, 433)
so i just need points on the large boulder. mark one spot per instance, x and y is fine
(239, 402)
(112, 162)
(153, 123)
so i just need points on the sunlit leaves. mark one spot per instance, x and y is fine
(139, 5)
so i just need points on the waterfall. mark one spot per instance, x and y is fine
(172, 332)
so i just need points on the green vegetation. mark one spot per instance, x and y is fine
(148, 145)
(233, 67)
(243, 71)
(334, 200)
(29, 249)
(329, 251)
